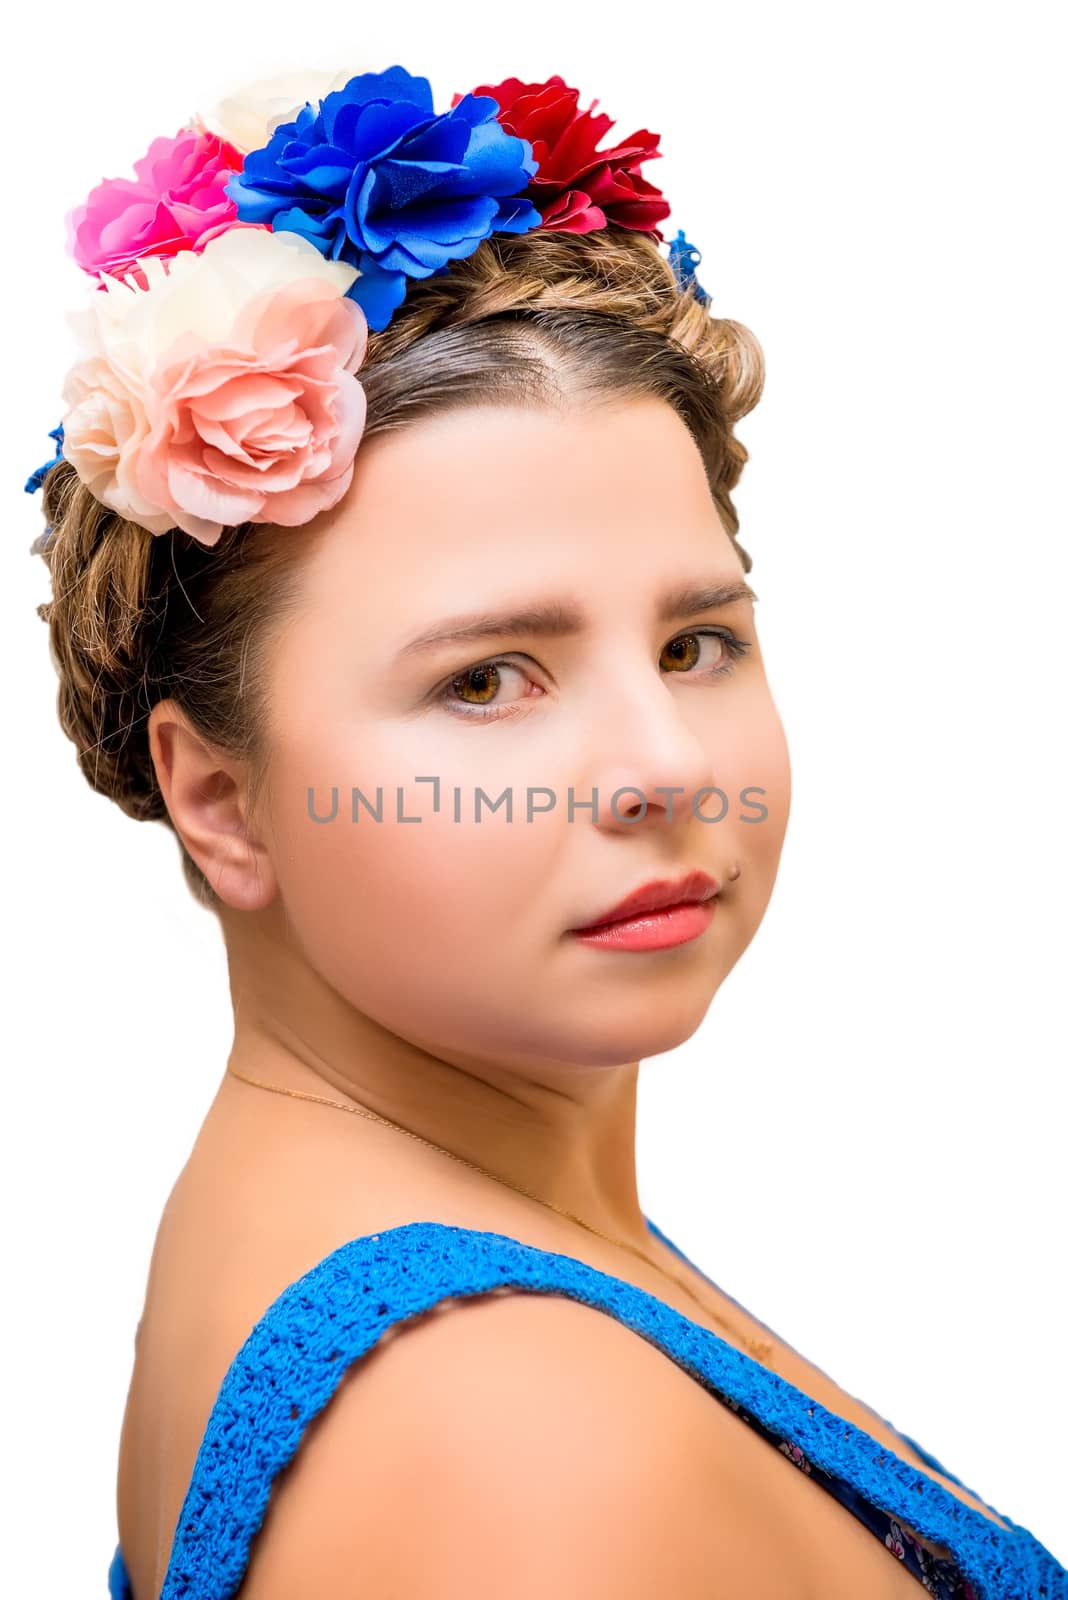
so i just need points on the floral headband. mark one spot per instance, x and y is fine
(237, 276)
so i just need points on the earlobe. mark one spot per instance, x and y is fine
(206, 793)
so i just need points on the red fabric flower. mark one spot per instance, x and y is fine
(577, 187)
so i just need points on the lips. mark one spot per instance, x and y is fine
(657, 895)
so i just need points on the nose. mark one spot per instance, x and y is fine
(651, 765)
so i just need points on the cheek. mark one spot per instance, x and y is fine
(761, 764)
(756, 776)
(747, 751)
(404, 918)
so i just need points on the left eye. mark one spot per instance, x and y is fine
(686, 650)
(681, 654)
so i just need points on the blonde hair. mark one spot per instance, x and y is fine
(544, 319)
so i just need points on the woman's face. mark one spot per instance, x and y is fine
(451, 930)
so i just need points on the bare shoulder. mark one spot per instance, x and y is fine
(516, 1433)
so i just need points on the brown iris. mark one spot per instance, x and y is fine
(677, 651)
(484, 679)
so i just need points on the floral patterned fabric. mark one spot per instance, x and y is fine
(939, 1575)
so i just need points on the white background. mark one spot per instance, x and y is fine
(864, 1142)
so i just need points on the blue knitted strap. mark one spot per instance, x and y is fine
(297, 1354)
(119, 1587)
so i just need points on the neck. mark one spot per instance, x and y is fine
(562, 1132)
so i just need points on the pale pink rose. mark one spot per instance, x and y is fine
(177, 202)
(262, 426)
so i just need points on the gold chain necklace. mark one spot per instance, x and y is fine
(760, 1348)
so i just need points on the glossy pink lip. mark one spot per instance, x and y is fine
(657, 895)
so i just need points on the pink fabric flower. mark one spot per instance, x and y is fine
(177, 202)
(264, 426)
(223, 390)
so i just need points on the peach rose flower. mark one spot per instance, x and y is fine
(224, 391)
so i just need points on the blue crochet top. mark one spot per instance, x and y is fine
(296, 1355)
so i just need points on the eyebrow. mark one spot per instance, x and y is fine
(557, 619)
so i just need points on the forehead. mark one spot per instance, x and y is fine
(529, 460)
(479, 500)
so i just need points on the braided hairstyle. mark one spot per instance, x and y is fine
(549, 319)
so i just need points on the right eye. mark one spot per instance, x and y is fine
(484, 683)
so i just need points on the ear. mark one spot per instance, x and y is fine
(206, 795)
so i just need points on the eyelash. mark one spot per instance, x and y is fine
(736, 648)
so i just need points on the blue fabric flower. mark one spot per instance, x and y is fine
(684, 258)
(376, 178)
(36, 480)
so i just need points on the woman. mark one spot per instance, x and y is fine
(396, 570)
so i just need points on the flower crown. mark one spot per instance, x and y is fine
(237, 276)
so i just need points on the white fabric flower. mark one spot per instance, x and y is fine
(249, 116)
